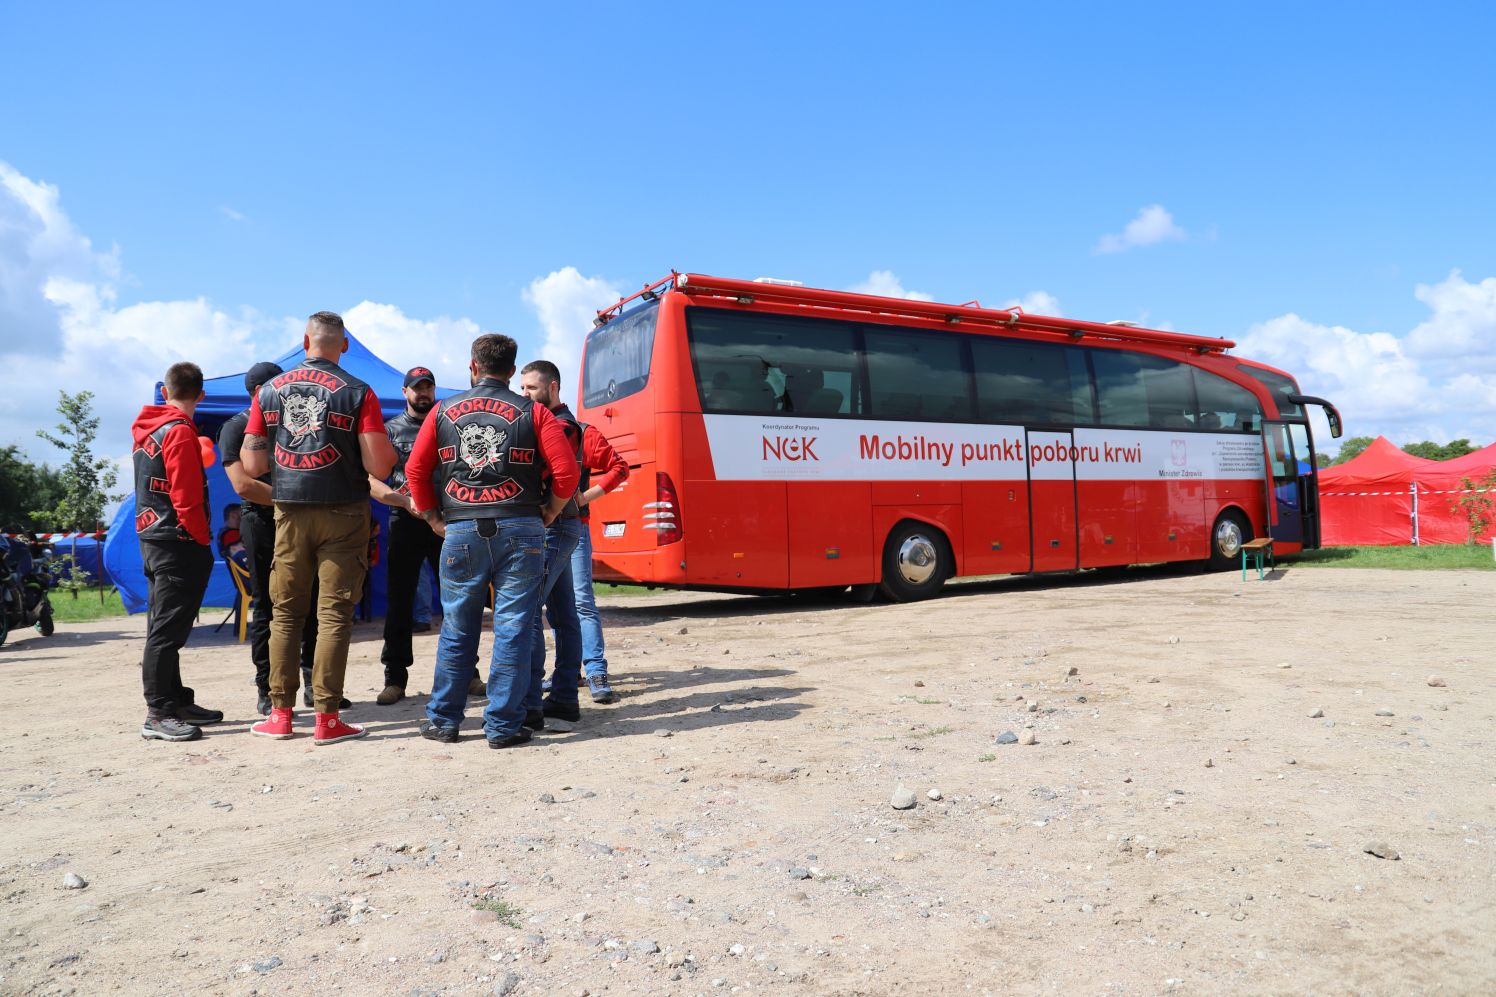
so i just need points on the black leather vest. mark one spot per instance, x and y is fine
(311, 416)
(487, 454)
(577, 433)
(403, 431)
(155, 516)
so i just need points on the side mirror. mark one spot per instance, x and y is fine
(1331, 412)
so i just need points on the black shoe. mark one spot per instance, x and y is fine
(535, 719)
(508, 742)
(431, 732)
(306, 699)
(263, 706)
(197, 716)
(170, 729)
(551, 708)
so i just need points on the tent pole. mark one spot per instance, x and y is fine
(1413, 488)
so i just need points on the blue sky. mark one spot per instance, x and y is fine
(180, 181)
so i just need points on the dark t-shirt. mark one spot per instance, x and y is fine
(231, 441)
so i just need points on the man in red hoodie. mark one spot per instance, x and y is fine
(171, 521)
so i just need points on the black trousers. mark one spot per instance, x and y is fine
(411, 542)
(177, 574)
(257, 529)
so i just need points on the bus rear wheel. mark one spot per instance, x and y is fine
(916, 562)
(1226, 537)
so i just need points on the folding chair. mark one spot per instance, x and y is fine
(240, 610)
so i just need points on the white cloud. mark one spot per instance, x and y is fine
(1153, 224)
(443, 344)
(886, 284)
(232, 215)
(1403, 387)
(566, 303)
(1036, 303)
(61, 328)
(39, 244)
(1463, 324)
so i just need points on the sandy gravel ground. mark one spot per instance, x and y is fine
(1183, 824)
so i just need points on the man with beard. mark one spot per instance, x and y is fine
(411, 544)
(570, 604)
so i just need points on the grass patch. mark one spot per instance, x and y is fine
(507, 912)
(1437, 557)
(932, 732)
(923, 701)
(987, 758)
(91, 604)
(866, 889)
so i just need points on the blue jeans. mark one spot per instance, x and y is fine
(561, 538)
(513, 561)
(572, 610)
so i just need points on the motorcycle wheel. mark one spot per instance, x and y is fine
(44, 625)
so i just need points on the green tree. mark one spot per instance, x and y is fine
(86, 479)
(25, 488)
(1477, 505)
(1430, 450)
(1352, 448)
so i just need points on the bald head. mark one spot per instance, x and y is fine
(326, 336)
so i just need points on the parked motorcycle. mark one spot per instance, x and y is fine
(23, 590)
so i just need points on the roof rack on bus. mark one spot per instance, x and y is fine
(747, 291)
(648, 293)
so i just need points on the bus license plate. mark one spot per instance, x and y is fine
(613, 529)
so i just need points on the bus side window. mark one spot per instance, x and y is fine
(1120, 395)
(1224, 405)
(762, 364)
(917, 376)
(1023, 382)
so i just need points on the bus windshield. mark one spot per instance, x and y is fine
(618, 356)
(1280, 387)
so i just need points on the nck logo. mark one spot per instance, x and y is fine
(792, 448)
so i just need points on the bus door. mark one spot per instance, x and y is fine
(1052, 521)
(1295, 496)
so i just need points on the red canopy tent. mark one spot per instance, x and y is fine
(1441, 520)
(1386, 497)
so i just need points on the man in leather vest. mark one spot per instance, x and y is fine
(257, 526)
(171, 520)
(412, 543)
(571, 606)
(325, 431)
(476, 474)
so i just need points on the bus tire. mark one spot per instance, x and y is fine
(916, 562)
(1230, 531)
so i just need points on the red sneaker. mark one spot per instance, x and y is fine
(331, 730)
(277, 725)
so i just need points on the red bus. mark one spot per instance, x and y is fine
(783, 437)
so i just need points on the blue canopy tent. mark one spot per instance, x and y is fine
(87, 553)
(224, 397)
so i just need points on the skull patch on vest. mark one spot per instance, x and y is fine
(303, 414)
(480, 445)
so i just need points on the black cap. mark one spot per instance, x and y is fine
(418, 374)
(261, 373)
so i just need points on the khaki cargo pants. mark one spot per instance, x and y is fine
(328, 545)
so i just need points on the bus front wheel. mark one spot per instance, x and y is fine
(1226, 537)
(916, 562)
